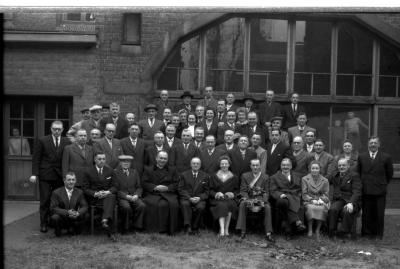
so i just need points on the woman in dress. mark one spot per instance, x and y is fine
(210, 125)
(315, 194)
(224, 187)
(191, 123)
(350, 155)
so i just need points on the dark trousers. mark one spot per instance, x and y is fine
(373, 215)
(192, 213)
(335, 211)
(46, 187)
(64, 222)
(242, 218)
(107, 204)
(289, 217)
(135, 209)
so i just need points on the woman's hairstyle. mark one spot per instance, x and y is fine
(224, 157)
(315, 162)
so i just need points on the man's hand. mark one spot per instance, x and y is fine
(315, 202)
(229, 195)
(33, 179)
(219, 195)
(349, 207)
(283, 196)
(194, 200)
(134, 198)
(162, 188)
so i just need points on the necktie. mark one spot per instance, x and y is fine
(373, 156)
(195, 176)
(56, 142)
(186, 147)
(151, 123)
(83, 152)
(243, 154)
(134, 144)
(220, 116)
(126, 171)
(101, 171)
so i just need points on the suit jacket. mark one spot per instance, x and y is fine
(183, 157)
(60, 204)
(188, 187)
(94, 182)
(126, 185)
(221, 132)
(284, 137)
(247, 130)
(224, 148)
(294, 131)
(303, 160)
(138, 153)
(150, 154)
(232, 108)
(202, 145)
(121, 129)
(262, 183)
(274, 160)
(213, 128)
(266, 112)
(47, 160)
(375, 174)
(262, 156)
(290, 116)
(88, 125)
(111, 153)
(223, 116)
(328, 166)
(210, 164)
(347, 188)
(279, 185)
(240, 165)
(147, 132)
(209, 103)
(74, 161)
(174, 144)
(312, 190)
(179, 107)
(161, 106)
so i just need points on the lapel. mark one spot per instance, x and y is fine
(78, 151)
(106, 146)
(314, 184)
(65, 198)
(74, 198)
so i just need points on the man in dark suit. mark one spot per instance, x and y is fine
(301, 128)
(209, 156)
(77, 157)
(276, 151)
(185, 150)
(46, 167)
(253, 127)
(158, 145)
(376, 170)
(208, 101)
(68, 207)
(170, 140)
(230, 124)
(241, 157)
(150, 125)
(193, 194)
(97, 184)
(110, 146)
(291, 111)
(269, 109)
(186, 103)
(120, 123)
(199, 138)
(160, 185)
(228, 144)
(162, 102)
(254, 187)
(230, 103)
(135, 147)
(220, 114)
(93, 122)
(126, 182)
(310, 140)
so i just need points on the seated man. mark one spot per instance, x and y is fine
(285, 188)
(346, 199)
(193, 192)
(97, 185)
(254, 190)
(68, 207)
(129, 192)
(160, 184)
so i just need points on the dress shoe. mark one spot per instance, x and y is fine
(300, 227)
(269, 238)
(188, 231)
(242, 235)
(43, 228)
(104, 224)
(112, 237)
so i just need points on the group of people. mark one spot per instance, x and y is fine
(213, 162)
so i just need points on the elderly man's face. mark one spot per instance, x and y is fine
(200, 111)
(69, 182)
(347, 147)
(164, 95)
(310, 137)
(162, 159)
(230, 98)
(252, 119)
(343, 166)
(191, 119)
(95, 114)
(159, 139)
(109, 131)
(243, 143)
(276, 124)
(86, 115)
(199, 135)
(151, 113)
(228, 137)
(269, 95)
(295, 98)
(319, 147)
(81, 137)
(134, 131)
(297, 144)
(286, 166)
(114, 111)
(100, 160)
(130, 117)
(231, 117)
(256, 140)
(125, 164)
(301, 120)
(210, 142)
(167, 114)
(56, 129)
(175, 121)
(170, 131)
(186, 137)
(95, 134)
(208, 91)
(221, 106)
(195, 164)
(373, 144)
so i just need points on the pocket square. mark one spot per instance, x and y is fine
(108, 177)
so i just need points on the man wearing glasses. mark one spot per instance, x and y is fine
(110, 146)
(46, 168)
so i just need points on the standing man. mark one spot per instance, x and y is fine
(276, 152)
(68, 207)
(209, 156)
(200, 113)
(230, 103)
(221, 112)
(249, 105)
(276, 124)
(166, 117)
(150, 125)
(131, 118)
(186, 103)
(162, 103)
(158, 145)
(261, 152)
(110, 146)
(77, 157)
(326, 160)
(228, 125)
(185, 150)
(241, 157)
(228, 141)
(170, 140)
(252, 127)
(310, 140)
(135, 147)
(121, 124)
(193, 195)
(376, 171)
(126, 182)
(94, 136)
(301, 128)
(291, 111)
(46, 167)
(208, 101)
(269, 109)
(93, 122)
(199, 138)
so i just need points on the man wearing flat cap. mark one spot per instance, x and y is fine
(105, 110)
(127, 183)
(150, 125)
(121, 124)
(88, 124)
(186, 103)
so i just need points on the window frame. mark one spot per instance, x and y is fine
(124, 40)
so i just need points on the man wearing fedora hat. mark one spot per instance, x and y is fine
(150, 125)
(186, 105)
(249, 104)
(89, 124)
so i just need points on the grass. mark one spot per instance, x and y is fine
(203, 252)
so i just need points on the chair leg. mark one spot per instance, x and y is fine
(116, 218)
(91, 220)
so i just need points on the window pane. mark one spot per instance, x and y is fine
(313, 55)
(63, 110)
(388, 131)
(28, 128)
(389, 70)
(318, 117)
(132, 23)
(15, 109)
(354, 59)
(47, 125)
(29, 110)
(50, 109)
(15, 124)
(66, 127)
(73, 16)
(181, 71)
(268, 49)
(224, 56)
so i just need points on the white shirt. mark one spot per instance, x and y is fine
(228, 107)
(373, 154)
(310, 147)
(170, 142)
(133, 141)
(210, 152)
(289, 178)
(99, 170)
(151, 122)
(273, 147)
(69, 193)
(229, 147)
(109, 142)
(159, 148)
(54, 140)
